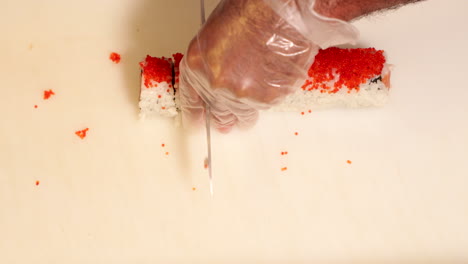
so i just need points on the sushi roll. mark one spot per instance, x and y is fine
(350, 78)
(157, 90)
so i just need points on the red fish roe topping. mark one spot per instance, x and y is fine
(194, 189)
(48, 94)
(37, 183)
(353, 66)
(310, 111)
(156, 70)
(349, 162)
(82, 133)
(296, 133)
(177, 58)
(167, 153)
(35, 106)
(115, 57)
(163, 145)
(284, 169)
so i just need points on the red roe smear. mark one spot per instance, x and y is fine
(354, 67)
(82, 133)
(156, 70)
(115, 57)
(48, 94)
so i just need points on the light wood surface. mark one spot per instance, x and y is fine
(115, 197)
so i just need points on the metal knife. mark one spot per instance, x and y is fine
(207, 112)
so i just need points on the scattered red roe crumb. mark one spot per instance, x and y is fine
(205, 163)
(284, 169)
(296, 133)
(353, 67)
(48, 94)
(115, 57)
(284, 153)
(168, 90)
(156, 70)
(163, 145)
(167, 153)
(310, 111)
(349, 162)
(82, 133)
(37, 183)
(302, 113)
(194, 189)
(163, 108)
(159, 96)
(35, 106)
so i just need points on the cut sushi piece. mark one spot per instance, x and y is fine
(342, 78)
(157, 91)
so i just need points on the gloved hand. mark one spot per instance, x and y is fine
(249, 55)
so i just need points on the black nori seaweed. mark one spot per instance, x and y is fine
(376, 80)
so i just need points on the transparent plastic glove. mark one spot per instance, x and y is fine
(249, 55)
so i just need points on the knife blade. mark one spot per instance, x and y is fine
(207, 113)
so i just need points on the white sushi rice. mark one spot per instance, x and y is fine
(150, 103)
